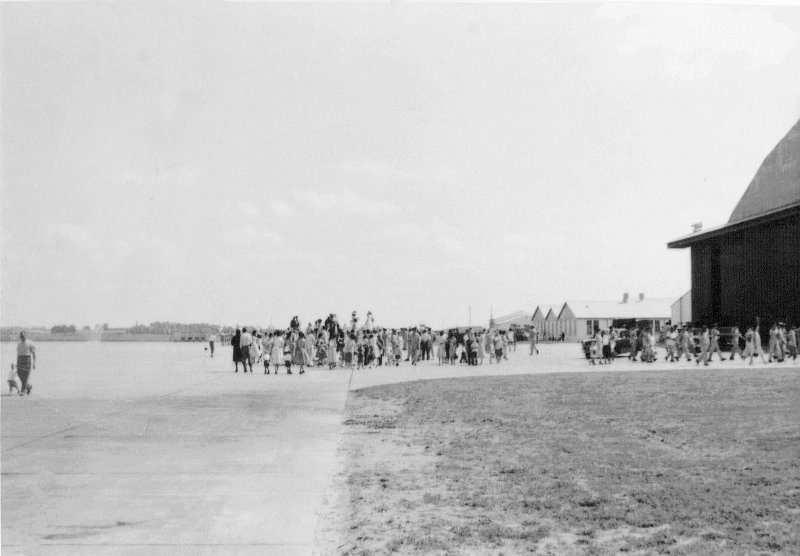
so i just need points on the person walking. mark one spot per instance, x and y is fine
(685, 344)
(753, 347)
(413, 346)
(635, 343)
(266, 349)
(532, 340)
(757, 344)
(244, 349)
(606, 340)
(332, 326)
(26, 362)
(671, 345)
(299, 351)
(425, 344)
(782, 340)
(714, 348)
(705, 344)
(773, 350)
(276, 357)
(211, 341)
(735, 347)
(237, 350)
(288, 351)
(596, 349)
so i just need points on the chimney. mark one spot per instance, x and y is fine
(625, 297)
(641, 297)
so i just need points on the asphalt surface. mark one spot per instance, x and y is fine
(184, 456)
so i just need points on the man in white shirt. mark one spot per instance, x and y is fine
(245, 340)
(26, 361)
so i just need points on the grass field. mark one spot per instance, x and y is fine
(687, 462)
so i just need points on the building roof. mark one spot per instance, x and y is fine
(776, 185)
(773, 193)
(647, 309)
(545, 309)
(555, 309)
(518, 317)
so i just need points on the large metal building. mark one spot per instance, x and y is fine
(751, 266)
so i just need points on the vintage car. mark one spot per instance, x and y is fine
(623, 343)
(521, 333)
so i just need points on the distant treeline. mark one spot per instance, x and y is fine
(152, 328)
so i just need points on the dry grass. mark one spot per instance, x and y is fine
(662, 462)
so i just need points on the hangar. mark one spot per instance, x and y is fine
(751, 266)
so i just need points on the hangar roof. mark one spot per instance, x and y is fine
(776, 185)
(773, 193)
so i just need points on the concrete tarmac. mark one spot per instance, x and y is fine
(188, 457)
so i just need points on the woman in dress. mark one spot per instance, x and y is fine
(237, 350)
(299, 350)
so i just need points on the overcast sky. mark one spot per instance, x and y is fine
(245, 162)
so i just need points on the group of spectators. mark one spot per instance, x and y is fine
(354, 345)
(699, 346)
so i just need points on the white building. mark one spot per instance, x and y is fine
(682, 308)
(550, 323)
(577, 319)
(537, 319)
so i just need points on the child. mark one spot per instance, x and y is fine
(452, 349)
(322, 352)
(12, 380)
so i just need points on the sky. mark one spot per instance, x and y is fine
(242, 163)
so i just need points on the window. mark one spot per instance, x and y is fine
(590, 326)
(657, 327)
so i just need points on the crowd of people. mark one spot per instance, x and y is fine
(698, 345)
(329, 344)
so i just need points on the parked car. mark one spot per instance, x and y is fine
(521, 335)
(623, 344)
